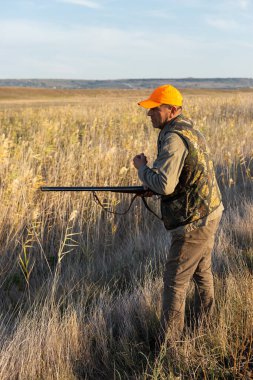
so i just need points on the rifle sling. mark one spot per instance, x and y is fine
(149, 209)
(97, 200)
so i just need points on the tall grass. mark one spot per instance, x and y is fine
(81, 289)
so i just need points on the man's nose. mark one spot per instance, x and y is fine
(149, 112)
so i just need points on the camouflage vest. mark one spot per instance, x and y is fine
(197, 193)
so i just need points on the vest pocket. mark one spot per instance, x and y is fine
(175, 211)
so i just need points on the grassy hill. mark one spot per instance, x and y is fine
(217, 83)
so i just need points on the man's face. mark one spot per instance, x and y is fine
(160, 115)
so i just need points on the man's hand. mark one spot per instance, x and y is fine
(148, 194)
(140, 160)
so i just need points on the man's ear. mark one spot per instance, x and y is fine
(174, 110)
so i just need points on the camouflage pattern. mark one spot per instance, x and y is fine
(197, 193)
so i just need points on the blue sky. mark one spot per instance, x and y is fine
(109, 39)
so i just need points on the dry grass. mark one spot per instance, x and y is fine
(81, 289)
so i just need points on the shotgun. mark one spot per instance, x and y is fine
(115, 189)
(139, 191)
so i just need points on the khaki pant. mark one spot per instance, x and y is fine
(189, 258)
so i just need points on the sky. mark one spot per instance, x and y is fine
(120, 39)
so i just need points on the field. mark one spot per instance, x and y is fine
(80, 289)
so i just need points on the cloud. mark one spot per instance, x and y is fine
(26, 33)
(244, 4)
(50, 50)
(235, 4)
(222, 24)
(83, 3)
(159, 14)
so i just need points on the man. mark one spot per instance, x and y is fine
(191, 205)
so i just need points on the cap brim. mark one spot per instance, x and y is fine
(149, 104)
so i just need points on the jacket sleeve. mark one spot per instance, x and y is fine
(163, 177)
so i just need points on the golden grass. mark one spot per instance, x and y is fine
(81, 289)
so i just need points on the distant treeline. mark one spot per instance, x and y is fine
(215, 83)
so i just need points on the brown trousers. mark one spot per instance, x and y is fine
(189, 258)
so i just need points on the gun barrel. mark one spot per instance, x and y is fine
(115, 189)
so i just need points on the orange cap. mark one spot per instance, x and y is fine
(166, 94)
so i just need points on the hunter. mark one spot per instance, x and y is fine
(191, 206)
